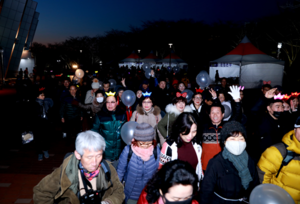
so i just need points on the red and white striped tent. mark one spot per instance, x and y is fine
(174, 59)
(251, 65)
(132, 60)
(150, 59)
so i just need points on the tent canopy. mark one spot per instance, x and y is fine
(174, 59)
(133, 57)
(247, 53)
(151, 58)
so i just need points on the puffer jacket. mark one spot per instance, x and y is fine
(152, 118)
(61, 185)
(289, 176)
(170, 117)
(136, 173)
(108, 124)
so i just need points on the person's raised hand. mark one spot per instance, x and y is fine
(270, 93)
(152, 73)
(235, 93)
(123, 82)
(213, 93)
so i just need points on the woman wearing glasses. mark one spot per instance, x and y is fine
(147, 112)
(198, 108)
(138, 162)
(108, 123)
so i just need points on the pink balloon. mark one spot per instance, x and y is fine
(79, 73)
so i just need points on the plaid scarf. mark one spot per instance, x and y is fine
(87, 174)
(240, 162)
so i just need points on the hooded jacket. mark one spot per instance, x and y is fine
(289, 176)
(108, 124)
(61, 185)
(169, 118)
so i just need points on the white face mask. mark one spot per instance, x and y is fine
(100, 99)
(235, 147)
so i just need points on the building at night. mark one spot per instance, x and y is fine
(18, 23)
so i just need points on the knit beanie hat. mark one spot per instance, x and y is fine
(231, 127)
(297, 123)
(144, 132)
(95, 84)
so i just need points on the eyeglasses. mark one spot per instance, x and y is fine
(198, 98)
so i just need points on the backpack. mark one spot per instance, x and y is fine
(130, 154)
(287, 157)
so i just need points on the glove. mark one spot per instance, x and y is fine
(235, 92)
(104, 202)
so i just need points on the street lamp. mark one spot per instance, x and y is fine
(279, 46)
(2, 70)
(74, 66)
(170, 44)
(139, 59)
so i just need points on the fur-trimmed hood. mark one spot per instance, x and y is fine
(172, 109)
(156, 110)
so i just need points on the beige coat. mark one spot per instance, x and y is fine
(152, 118)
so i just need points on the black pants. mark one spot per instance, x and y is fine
(42, 134)
(72, 126)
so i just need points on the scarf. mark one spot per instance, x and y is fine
(144, 154)
(87, 174)
(128, 113)
(240, 162)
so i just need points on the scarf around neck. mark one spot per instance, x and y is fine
(144, 154)
(240, 162)
(87, 174)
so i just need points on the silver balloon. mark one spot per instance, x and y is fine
(146, 66)
(112, 83)
(227, 111)
(148, 73)
(270, 194)
(203, 79)
(189, 95)
(127, 131)
(128, 98)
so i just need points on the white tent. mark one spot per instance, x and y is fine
(172, 59)
(251, 65)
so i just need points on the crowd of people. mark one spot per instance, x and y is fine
(211, 148)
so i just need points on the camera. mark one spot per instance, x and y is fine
(91, 197)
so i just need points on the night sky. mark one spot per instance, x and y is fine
(60, 19)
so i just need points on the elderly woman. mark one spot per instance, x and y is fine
(231, 175)
(146, 111)
(176, 182)
(138, 162)
(108, 123)
(173, 110)
(183, 143)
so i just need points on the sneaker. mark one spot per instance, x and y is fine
(40, 157)
(46, 154)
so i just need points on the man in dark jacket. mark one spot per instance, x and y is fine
(161, 95)
(71, 115)
(270, 131)
(66, 183)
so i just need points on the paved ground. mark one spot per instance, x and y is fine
(20, 170)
